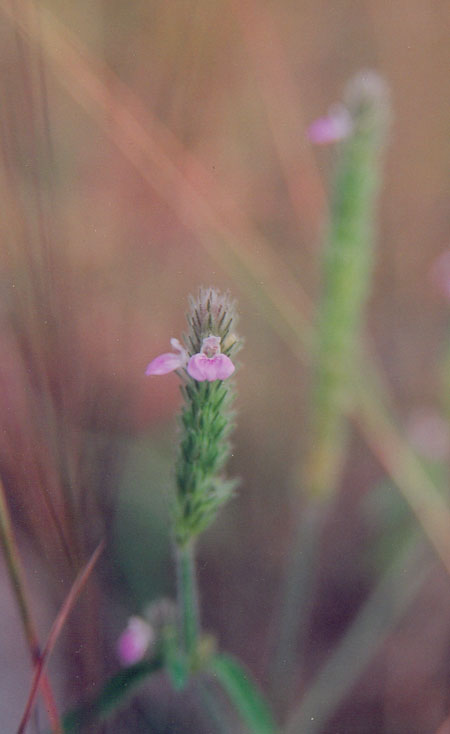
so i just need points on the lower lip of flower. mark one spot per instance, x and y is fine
(201, 367)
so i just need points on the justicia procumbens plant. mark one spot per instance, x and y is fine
(204, 364)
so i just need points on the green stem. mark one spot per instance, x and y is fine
(297, 595)
(187, 598)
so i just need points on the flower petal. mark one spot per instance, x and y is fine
(195, 367)
(201, 368)
(176, 344)
(224, 366)
(165, 363)
(134, 641)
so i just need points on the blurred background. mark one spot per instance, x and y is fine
(148, 148)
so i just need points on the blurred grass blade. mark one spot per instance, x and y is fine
(113, 694)
(297, 597)
(347, 276)
(377, 617)
(279, 91)
(55, 631)
(244, 694)
(217, 709)
(424, 497)
(17, 579)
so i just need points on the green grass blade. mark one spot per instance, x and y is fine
(244, 694)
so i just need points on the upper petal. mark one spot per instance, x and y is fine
(176, 344)
(211, 346)
(165, 363)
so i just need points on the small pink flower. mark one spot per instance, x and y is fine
(210, 364)
(169, 361)
(134, 641)
(335, 126)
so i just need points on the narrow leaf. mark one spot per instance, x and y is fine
(115, 691)
(244, 694)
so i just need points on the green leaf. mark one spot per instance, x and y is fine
(115, 691)
(244, 694)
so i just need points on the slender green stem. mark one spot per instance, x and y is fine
(298, 597)
(347, 269)
(187, 598)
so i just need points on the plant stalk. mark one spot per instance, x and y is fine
(187, 598)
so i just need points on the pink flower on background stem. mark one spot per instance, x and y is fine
(335, 126)
(134, 641)
(169, 361)
(210, 364)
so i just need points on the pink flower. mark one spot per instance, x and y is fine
(210, 364)
(335, 126)
(169, 361)
(134, 641)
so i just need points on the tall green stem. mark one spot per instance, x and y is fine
(347, 270)
(187, 598)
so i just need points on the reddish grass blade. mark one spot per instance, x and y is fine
(17, 578)
(55, 631)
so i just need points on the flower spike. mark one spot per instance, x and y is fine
(205, 361)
